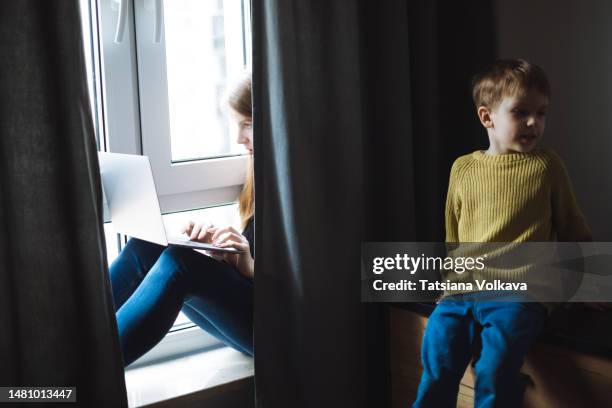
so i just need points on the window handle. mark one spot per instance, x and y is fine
(121, 19)
(157, 29)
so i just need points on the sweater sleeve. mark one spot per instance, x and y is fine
(453, 206)
(568, 221)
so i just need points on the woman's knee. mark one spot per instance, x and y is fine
(176, 259)
(175, 254)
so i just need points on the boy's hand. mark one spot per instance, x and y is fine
(199, 231)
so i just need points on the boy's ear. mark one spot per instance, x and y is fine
(484, 114)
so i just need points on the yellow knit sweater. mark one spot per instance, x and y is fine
(522, 197)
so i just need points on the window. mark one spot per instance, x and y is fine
(92, 63)
(201, 54)
(157, 71)
(164, 72)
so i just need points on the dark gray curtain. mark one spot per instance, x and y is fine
(359, 109)
(57, 324)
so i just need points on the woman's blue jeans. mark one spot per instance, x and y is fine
(500, 333)
(152, 283)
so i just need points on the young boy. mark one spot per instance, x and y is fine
(512, 192)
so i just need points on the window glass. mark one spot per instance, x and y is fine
(204, 52)
(89, 30)
(220, 215)
(112, 242)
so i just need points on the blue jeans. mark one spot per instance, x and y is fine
(152, 283)
(499, 332)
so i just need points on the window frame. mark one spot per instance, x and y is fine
(135, 109)
(121, 110)
(182, 185)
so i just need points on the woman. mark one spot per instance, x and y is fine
(152, 283)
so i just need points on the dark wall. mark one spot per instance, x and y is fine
(572, 42)
(449, 42)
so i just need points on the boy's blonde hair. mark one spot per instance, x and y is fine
(507, 77)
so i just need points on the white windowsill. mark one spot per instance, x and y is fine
(191, 374)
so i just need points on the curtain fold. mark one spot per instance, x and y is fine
(332, 164)
(353, 143)
(56, 314)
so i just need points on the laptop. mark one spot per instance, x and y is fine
(133, 206)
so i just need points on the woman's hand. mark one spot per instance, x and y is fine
(199, 231)
(229, 237)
